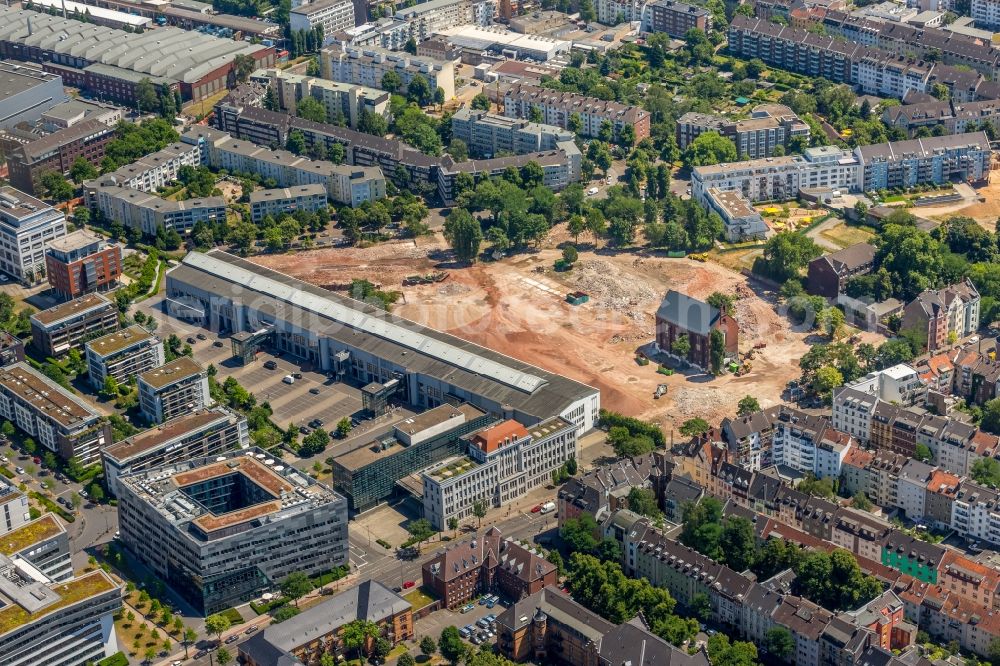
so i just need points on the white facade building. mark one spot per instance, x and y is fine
(852, 413)
(366, 66)
(26, 227)
(986, 13)
(123, 355)
(899, 384)
(331, 15)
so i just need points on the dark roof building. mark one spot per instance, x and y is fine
(829, 274)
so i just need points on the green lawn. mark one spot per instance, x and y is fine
(419, 597)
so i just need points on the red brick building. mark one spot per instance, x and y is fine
(679, 314)
(487, 564)
(57, 152)
(82, 262)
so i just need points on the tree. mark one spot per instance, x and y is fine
(217, 625)
(747, 405)
(96, 492)
(150, 655)
(296, 142)
(701, 606)
(986, 471)
(453, 525)
(681, 346)
(464, 234)
(145, 95)
(923, 452)
(344, 427)
(458, 150)
(722, 302)
(420, 530)
(296, 585)
(709, 148)
(861, 502)
(391, 82)
(827, 378)
(451, 645)
(481, 102)
(627, 444)
(479, 509)
(570, 255)
(357, 634)
(284, 613)
(738, 542)
(428, 646)
(82, 170)
(694, 427)
(314, 443)
(717, 350)
(223, 657)
(55, 186)
(190, 636)
(643, 502)
(406, 659)
(785, 255)
(780, 643)
(578, 533)
(311, 109)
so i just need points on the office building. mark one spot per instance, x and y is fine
(30, 158)
(285, 201)
(52, 416)
(26, 91)
(367, 66)
(675, 18)
(319, 630)
(513, 45)
(740, 218)
(488, 134)
(939, 159)
(223, 529)
(75, 111)
(421, 367)
(173, 389)
(558, 107)
(52, 618)
(149, 212)
(82, 262)
(110, 63)
(200, 434)
(769, 126)
(501, 463)
(341, 100)
(487, 564)
(352, 185)
(331, 16)
(367, 476)
(122, 355)
(27, 226)
(13, 508)
(60, 328)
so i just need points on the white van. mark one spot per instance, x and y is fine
(288, 379)
(548, 507)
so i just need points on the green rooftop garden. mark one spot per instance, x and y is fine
(454, 468)
(70, 593)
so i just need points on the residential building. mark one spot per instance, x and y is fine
(310, 323)
(56, 152)
(352, 185)
(368, 66)
(679, 314)
(911, 491)
(201, 434)
(173, 389)
(944, 315)
(319, 630)
(899, 384)
(944, 508)
(425, 19)
(807, 444)
(938, 159)
(82, 262)
(558, 107)
(439, 49)
(605, 489)
(912, 556)
(484, 565)
(675, 18)
(986, 13)
(222, 529)
(285, 201)
(750, 438)
(329, 15)
(502, 463)
(560, 168)
(122, 355)
(829, 274)
(340, 100)
(60, 328)
(13, 508)
(27, 226)
(954, 117)
(153, 171)
(769, 126)
(149, 212)
(368, 475)
(52, 416)
(52, 617)
(616, 12)
(11, 349)
(740, 218)
(26, 92)
(488, 134)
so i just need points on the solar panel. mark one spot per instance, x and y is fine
(348, 316)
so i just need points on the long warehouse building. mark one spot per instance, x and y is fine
(111, 63)
(336, 334)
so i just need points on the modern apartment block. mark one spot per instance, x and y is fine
(358, 343)
(367, 66)
(27, 225)
(200, 434)
(330, 15)
(148, 212)
(899, 384)
(352, 185)
(769, 126)
(123, 355)
(26, 92)
(82, 262)
(558, 107)
(488, 134)
(425, 19)
(11, 349)
(616, 12)
(741, 219)
(57, 152)
(173, 389)
(986, 14)
(52, 618)
(282, 201)
(560, 167)
(368, 475)
(153, 171)
(502, 463)
(675, 18)
(223, 529)
(13, 508)
(51, 415)
(341, 100)
(56, 330)
(938, 159)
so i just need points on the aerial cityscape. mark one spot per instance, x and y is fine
(496, 332)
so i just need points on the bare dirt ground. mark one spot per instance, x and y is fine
(230, 191)
(517, 307)
(985, 212)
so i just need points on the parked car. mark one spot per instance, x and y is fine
(270, 365)
(190, 341)
(201, 336)
(217, 343)
(288, 379)
(314, 390)
(297, 375)
(252, 628)
(464, 632)
(304, 430)
(36, 460)
(467, 608)
(481, 622)
(232, 639)
(19, 470)
(316, 423)
(408, 584)
(536, 508)
(200, 654)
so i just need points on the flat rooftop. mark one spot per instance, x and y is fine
(75, 241)
(113, 343)
(16, 77)
(314, 189)
(452, 467)
(249, 466)
(29, 534)
(73, 308)
(63, 595)
(174, 429)
(46, 396)
(19, 205)
(180, 368)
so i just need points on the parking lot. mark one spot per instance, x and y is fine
(433, 624)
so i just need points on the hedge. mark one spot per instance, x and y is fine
(635, 427)
(52, 506)
(268, 606)
(233, 616)
(6, 472)
(330, 576)
(117, 659)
